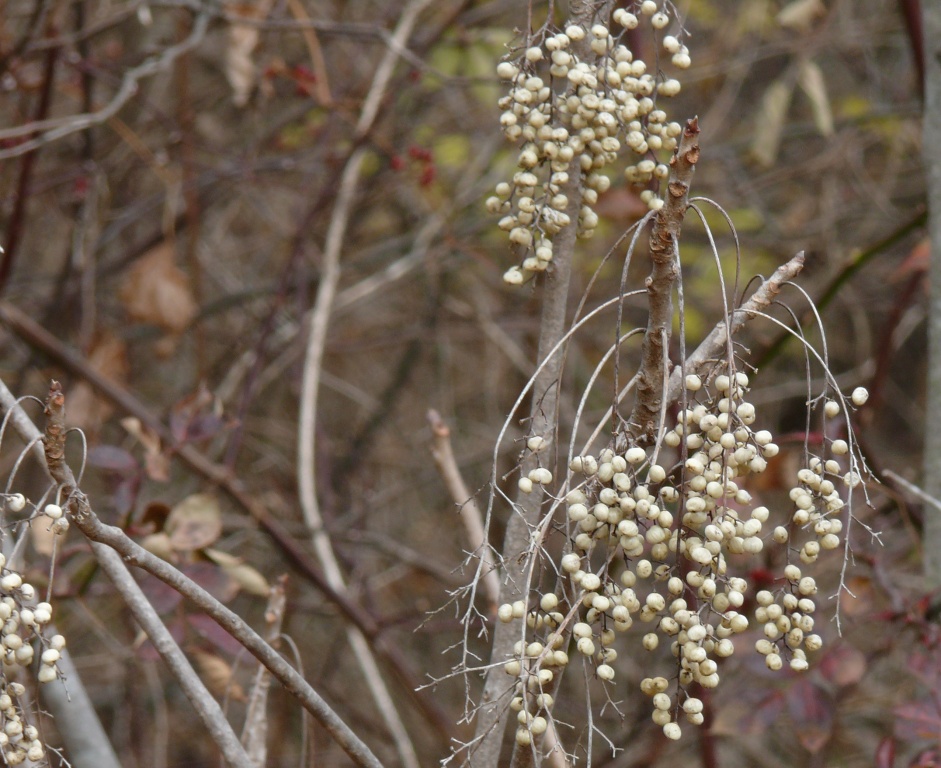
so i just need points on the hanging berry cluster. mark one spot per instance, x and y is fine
(652, 534)
(574, 115)
(23, 634)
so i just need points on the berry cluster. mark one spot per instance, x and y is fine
(19, 741)
(652, 535)
(573, 115)
(23, 623)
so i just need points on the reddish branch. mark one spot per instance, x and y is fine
(663, 245)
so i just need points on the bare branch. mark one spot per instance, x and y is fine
(56, 128)
(37, 336)
(255, 730)
(715, 344)
(470, 513)
(663, 242)
(313, 367)
(133, 554)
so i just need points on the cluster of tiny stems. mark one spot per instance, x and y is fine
(651, 543)
(574, 117)
(23, 634)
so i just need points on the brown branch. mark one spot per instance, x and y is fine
(113, 540)
(664, 241)
(206, 706)
(18, 216)
(45, 131)
(37, 336)
(716, 343)
(471, 516)
(255, 730)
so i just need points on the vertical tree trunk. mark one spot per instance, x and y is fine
(491, 720)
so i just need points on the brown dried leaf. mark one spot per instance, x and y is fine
(158, 292)
(156, 463)
(217, 675)
(811, 709)
(194, 523)
(42, 537)
(240, 68)
(247, 577)
(107, 356)
(769, 123)
(158, 544)
(810, 79)
(844, 665)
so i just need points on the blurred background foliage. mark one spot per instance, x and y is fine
(174, 249)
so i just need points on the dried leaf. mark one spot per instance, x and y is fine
(741, 717)
(248, 579)
(801, 15)
(811, 709)
(860, 598)
(158, 292)
(217, 675)
(156, 463)
(158, 544)
(769, 124)
(161, 596)
(917, 261)
(42, 537)
(917, 720)
(885, 753)
(844, 665)
(197, 416)
(194, 523)
(810, 79)
(213, 579)
(240, 68)
(212, 633)
(112, 459)
(107, 356)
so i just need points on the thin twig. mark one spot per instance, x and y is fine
(313, 366)
(133, 554)
(206, 706)
(56, 128)
(37, 336)
(255, 730)
(473, 520)
(913, 489)
(716, 343)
